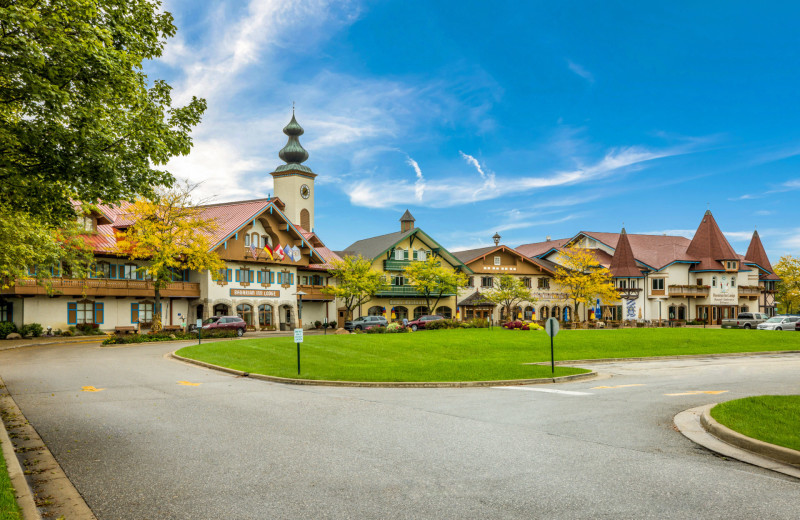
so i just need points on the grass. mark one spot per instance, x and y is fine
(9, 510)
(769, 418)
(470, 354)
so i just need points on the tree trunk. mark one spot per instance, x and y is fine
(575, 313)
(156, 327)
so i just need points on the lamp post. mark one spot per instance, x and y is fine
(300, 295)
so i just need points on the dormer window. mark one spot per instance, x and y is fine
(497, 260)
(86, 222)
(731, 265)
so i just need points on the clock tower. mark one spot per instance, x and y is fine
(293, 182)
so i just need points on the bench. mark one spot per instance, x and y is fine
(176, 328)
(126, 330)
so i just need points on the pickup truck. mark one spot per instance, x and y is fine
(745, 320)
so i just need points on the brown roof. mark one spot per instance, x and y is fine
(474, 300)
(326, 254)
(655, 251)
(470, 255)
(539, 248)
(710, 246)
(623, 264)
(757, 255)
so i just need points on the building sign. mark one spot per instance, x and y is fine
(255, 292)
(724, 294)
(406, 302)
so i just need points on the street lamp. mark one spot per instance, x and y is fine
(300, 295)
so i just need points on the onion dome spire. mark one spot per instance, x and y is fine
(293, 153)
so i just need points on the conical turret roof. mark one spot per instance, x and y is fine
(407, 217)
(623, 264)
(293, 153)
(757, 255)
(710, 246)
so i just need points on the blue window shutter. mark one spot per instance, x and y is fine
(252, 276)
(237, 275)
(258, 277)
(99, 314)
(113, 271)
(291, 278)
(134, 313)
(280, 277)
(271, 277)
(229, 275)
(139, 275)
(72, 313)
(32, 271)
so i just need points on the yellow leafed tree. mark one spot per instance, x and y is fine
(171, 234)
(583, 279)
(788, 268)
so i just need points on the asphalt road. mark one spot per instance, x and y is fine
(147, 446)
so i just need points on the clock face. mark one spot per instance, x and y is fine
(305, 192)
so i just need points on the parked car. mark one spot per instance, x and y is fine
(226, 323)
(797, 326)
(745, 320)
(420, 322)
(780, 323)
(365, 321)
(193, 326)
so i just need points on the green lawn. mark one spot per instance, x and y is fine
(769, 418)
(9, 510)
(470, 354)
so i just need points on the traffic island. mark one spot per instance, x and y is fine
(698, 425)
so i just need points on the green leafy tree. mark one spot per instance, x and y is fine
(432, 281)
(356, 282)
(171, 234)
(508, 291)
(79, 120)
(788, 289)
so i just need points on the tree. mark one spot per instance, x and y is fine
(583, 279)
(32, 250)
(432, 281)
(788, 269)
(171, 233)
(79, 119)
(508, 291)
(356, 282)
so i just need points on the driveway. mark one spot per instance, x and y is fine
(163, 440)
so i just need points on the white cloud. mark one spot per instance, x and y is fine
(419, 185)
(580, 71)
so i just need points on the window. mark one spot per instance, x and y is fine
(128, 272)
(527, 282)
(699, 281)
(405, 254)
(6, 311)
(543, 283)
(658, 284)
(398, 254)
(733, 281)
(86, 223)
(487, 281)
(247, 241)
(471, 282)
(421, 255)
(713, 281)
(265, 315)
(497, 260)
(265, 241)
(398, 280)
(85, 311)
(245, 312)
(623, 284)
(445, 312)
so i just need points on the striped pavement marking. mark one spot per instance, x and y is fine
(698, 392)
(91, 389)
(187, 383)
(546, 390)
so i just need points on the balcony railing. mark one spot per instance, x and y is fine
(314, 293)
(403, 290)
(104, 287)
(749, 291)
(689, 291)
(395, 265)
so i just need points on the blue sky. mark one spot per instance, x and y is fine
(526, 118)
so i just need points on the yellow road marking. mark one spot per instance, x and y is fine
(698, 392)
(91, 389)
(618, 386)
(187, 383)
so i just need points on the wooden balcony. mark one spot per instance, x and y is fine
(104, 287)
(750, 292)
(403, 290)
(689, 291)
(395, 265)
(314, 293)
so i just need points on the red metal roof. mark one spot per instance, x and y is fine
(623, 263)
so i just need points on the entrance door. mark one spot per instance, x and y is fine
(341, 318)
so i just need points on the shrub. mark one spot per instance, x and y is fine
(466, 325)
(513, 325)
(525, 327)
(6, 328)
(376, 329)
(66, 333)
(122, 339)
(394, 327)
(535, 326)
(31, 329)
(479, 323)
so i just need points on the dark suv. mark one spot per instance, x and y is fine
(227, 322)
(365, 322)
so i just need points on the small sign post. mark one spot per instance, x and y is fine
(199, 330)
(298, 338)
(551, 327)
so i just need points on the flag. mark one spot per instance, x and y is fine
(289, 252)
(296, 253)
(253, 250)
(268, 250)
(279, 252)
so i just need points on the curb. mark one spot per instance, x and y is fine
(78, 340)
(679, 356)
(389, 384)
(690, 424)
(725, 434)
(22, 490)
(46, 479)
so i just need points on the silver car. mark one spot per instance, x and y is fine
(779, 323)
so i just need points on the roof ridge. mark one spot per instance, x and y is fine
(237, 202)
